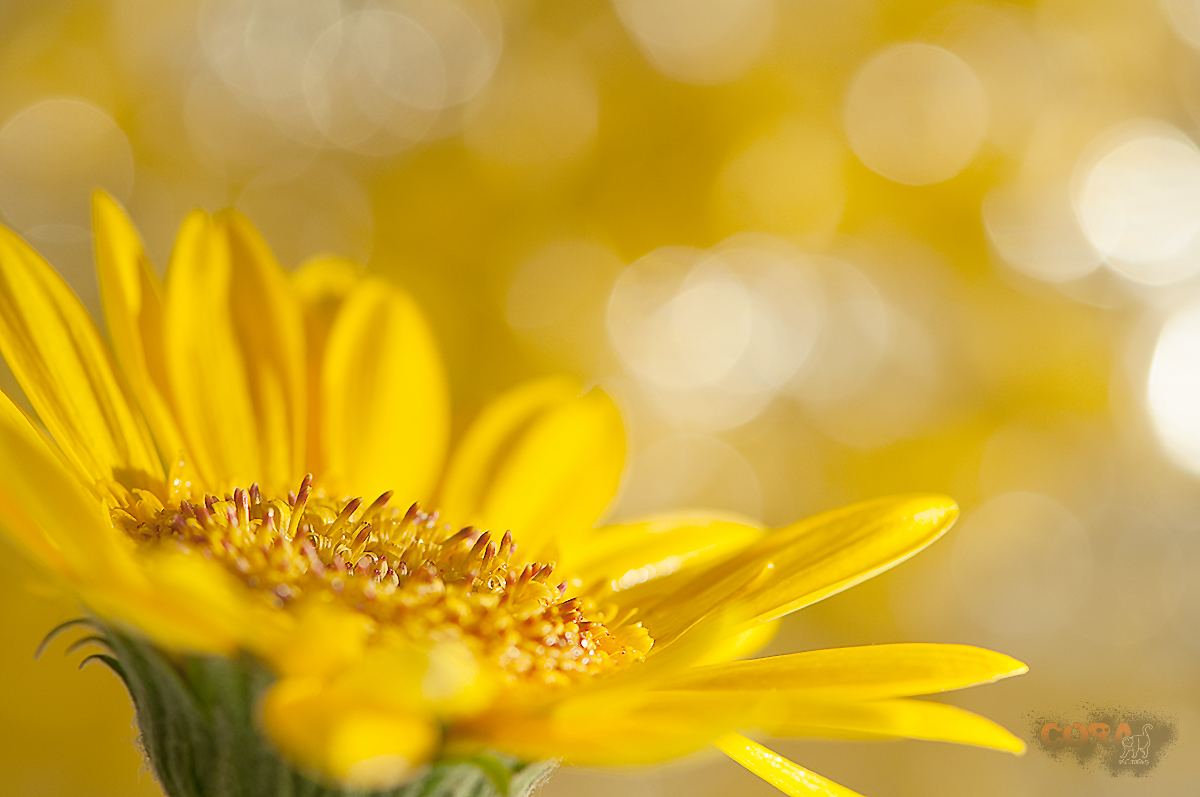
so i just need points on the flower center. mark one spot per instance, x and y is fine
(404, 569)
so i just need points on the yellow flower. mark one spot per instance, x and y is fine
(248, 467)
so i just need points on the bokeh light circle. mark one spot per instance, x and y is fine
(1002, 45)
(1184, 16)
(853, 338)
(470, 42)
(787, 311)
(258, 50)
(916, 114)
(53, 154)
(699, 41)
(375, 82)
(1034, 229)
(1173, 387)
(371, 77)
(1138, 200)
(713, 335)
(680, 333)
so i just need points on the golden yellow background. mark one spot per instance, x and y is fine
(819, 251)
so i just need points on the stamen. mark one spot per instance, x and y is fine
(298, 501)
(344, 516)
(405, 571)
(380, 502)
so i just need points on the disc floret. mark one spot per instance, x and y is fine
(406, 570)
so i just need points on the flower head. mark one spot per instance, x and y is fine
(246, 488)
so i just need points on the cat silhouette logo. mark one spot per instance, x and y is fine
(1137, 748)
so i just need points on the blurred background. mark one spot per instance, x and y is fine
(819, 251)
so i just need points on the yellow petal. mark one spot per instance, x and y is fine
(360, 745)
(562, 473)
(720, 641)
(542, 460)
(604, 729)
(716, 640)
(65, 369)
(321, 285)
(324, 283)
(777, 770)
(383, 397)
(371, 750)
(268, 323)
(44, 509)
(800, 714)
(131, 296)
(443, 677)
(354, 725)
(861, 673)
(803, 563)
(739, 646)
(187, 603)
(205, 366)
(626, 555)
(328, 639)
(491, 437)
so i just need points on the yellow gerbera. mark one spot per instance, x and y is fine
(238, 486)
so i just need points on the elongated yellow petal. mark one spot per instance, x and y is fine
(803, 563)
(64, 367)
(802, 715)
(205, 366)
(131, 295)
(739, 646)
(322, 285)
(626, 555)
(612, 728)
(628, 727)
(543, 461)
(778, 771)
(383, 397)
(562, 474)
(861, 673)
(186, 603)
(269, 327)
(715, 641)
(492, 436)
(786, 712)
(37, 495)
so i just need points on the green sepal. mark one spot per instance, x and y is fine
(196, 716)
